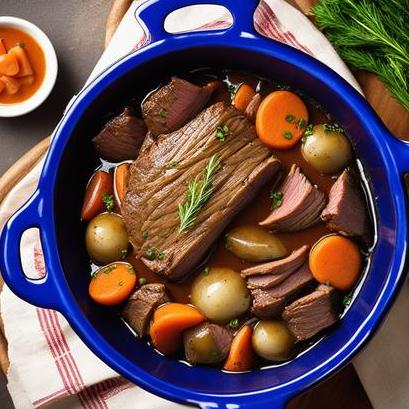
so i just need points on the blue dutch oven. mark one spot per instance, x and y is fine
(55, 208)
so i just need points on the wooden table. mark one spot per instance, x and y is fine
(344, 389)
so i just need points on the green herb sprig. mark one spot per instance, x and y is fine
(370, 35)
(198, 193)
(108, 201)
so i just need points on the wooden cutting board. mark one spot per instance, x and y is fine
(344, 389)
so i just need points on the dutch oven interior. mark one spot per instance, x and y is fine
(79, 161)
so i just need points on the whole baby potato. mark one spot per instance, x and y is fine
(220, 294)
(327, 151)
(106, 238)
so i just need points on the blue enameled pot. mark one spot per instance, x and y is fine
(55, 207)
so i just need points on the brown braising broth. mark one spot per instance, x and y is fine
(260, 207)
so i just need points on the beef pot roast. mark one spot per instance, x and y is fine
(141, 305)
(309, 315)
(269, 303)
(301, 206)
(346, 211)
(158, 183)
(121, 138)
(173, 105)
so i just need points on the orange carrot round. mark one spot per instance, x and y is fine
(121, 174)
(281, 119)
(112, 284)
(8, 65)
(99, 185)
(243, 97)
(241, 355)
(2, 86)
(169, 322)
(337, 261)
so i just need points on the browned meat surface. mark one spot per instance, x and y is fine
(216, 339)
(158, 181)
(141, 304)
(121, 137)
(346, 211)
(270, 274)
(301, 205)
(309, 315)
(173, 105)
(252, 107)
(269, 303)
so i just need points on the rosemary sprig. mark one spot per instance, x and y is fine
(371, 35)
(198, 193)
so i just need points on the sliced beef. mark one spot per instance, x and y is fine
(158, 183)
(207, 344)
(121, 137)
(309, 315)
(269, 303)
(141, 304)
(268, 275)
(173, 105)
(346, 211)
(252, 107)
(301, 206)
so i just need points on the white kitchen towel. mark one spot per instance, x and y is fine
(50, 366)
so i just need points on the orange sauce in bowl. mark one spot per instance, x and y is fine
(10, 38)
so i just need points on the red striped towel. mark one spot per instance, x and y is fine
(49, 364)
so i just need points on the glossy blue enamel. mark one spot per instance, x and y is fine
(385, 159)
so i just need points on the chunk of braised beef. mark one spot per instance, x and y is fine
(141, 305)
(121, 138)
(173, 105)
(312, 313)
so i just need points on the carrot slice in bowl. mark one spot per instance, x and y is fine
(169, 322)
(243, 96)
(23, 61)
(112, 284)
(8, 65)
(121, 174)
(281, 120)
(3, 49)
(241, 355)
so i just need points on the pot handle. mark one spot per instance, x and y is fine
(152, 14)
(41, 292)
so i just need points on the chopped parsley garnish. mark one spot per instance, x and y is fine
(302, 123)
(347, 299)
(231, 88)
(109, 268)
(154, 254)
(108, 201)
(221, 132)
(307, 133)
(145, 234)
(124, 253)
(333, 128)
(173, 164)
(206, 270)
(290, 118)
(130, 269)
(288, 135)
(163, 113)
(234, 323)
(142, 281)
(328, 283)
(277, 199)
(120, 283)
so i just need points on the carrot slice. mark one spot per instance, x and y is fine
(2, 47)
(337, 261)
(121, 174)
(169, 322)
(23, 61)
(2, 86)
(281, 119)
(8, 65)
(241, 355)
(99, 185)
(112, 284)
(12, 85)
(243, 96)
